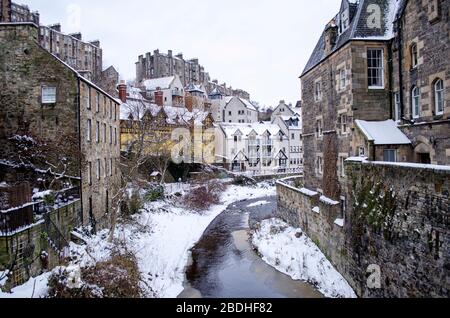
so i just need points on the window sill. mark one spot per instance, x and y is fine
(376, 88)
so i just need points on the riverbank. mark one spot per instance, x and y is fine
(160, 237)
(291, 252)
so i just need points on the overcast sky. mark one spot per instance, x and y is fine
(258, 45)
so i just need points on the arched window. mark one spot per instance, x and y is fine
(439, 97)
(414, 56)
(415, 102)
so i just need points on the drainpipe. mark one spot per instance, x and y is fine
(79, 148)
(400, 66)
(390, 67)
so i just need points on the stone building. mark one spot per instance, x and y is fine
(86, 57)
(421, 78)
(46, 99)
(12, 12)
(165, 91)
(353, 74)
(158, 65)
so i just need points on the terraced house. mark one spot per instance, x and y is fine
(376, 60)
(69, 131)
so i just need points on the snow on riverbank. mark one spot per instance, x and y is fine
(300, 258)
(161, 238)
(259, 203)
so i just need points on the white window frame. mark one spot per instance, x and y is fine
(48, 94)
(437, 92)
(318, 91)
(361, 151)
(380, 68)
(343, 124)
(415, 102)
(319, 165)
(414, 51)
(390, 150)
(319, 128)
(342, 78)
(397, 106)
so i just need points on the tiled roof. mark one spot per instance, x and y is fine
(361, 13)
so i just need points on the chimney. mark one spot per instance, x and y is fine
(76, 36)
(123, 91)
(56, 27)
(159, 98)
(5, 11)
(95, 43)
(180, 56)
(282, 101)
(331, 33)
(170, 53)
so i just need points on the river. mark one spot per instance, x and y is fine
(224, 264)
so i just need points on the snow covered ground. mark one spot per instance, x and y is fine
(259, 203)
(161, 238)
(291, 252)
(34, 288)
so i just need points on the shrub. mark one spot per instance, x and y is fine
(201, 198)
(244, 181)
(134, 203)
(118, 277)
(154, 194)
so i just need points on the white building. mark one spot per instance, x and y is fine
(256, 148)
(286, 110)
(292, 128)
(165, 91)
(239, 110)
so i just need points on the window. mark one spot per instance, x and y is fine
(97, 103)
(343, 123)
(229, 113)
(48, 95)
(110, 109)
(293, 136)
(319, 128)
(397, 108)
(115, 136)
(342, 162)
(375, 68)
(106, 168)
(104, 133)
(343, 207)
(110, 135)
(235, 138)
(99, 169)
(97, 135)
(319, 165)
(439, 97)
(361, 151)
(414, 56)
(115, 112)
(342, 79)
(344, 21)
(89, 130)
(415, 102)
(110, 167)
(90, 172)
(318, 91)
(88, 98)
(390, 155)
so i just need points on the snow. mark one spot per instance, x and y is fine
(42, 194)
(308, 192)
(383, 132)
(364, 160)
(235, 129)
(299, 258)
(339, 222)
(34, 288)
(328, 201)
(161, 83)
(316, 209)
(259, 203)
(161, 238)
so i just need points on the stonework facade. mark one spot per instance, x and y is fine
(398, 233)
(44, 98)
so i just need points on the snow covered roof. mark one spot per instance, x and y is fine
(161, 83)
(382, 132)
(246, 103)
(232, 129)
(359, 14)
(195, 88)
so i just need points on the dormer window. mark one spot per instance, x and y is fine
(344, 21)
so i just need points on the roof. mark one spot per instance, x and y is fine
(246, 103)
(359, 28)
(382, 132)
(232, 129)
(195, 88)
(161, 83)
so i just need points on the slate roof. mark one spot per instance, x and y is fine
(382, 132)
(359, 28)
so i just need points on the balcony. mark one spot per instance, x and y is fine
(18, 218)
(177, 92)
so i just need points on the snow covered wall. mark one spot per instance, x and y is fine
(393, 240)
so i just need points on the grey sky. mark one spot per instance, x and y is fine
(257, 45)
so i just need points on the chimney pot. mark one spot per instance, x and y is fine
(123, 91)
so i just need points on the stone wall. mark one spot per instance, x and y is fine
(397, 220)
